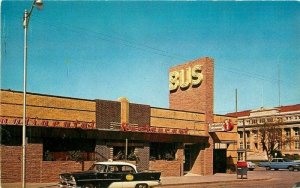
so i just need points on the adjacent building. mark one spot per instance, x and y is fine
(250, 121)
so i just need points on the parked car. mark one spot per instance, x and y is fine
(251, 166)
(296, 185)
(110, 175)
(280, 163)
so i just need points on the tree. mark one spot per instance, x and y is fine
(272, 139)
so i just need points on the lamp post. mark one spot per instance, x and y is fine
(26, 18)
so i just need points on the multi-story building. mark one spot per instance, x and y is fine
(287, 119)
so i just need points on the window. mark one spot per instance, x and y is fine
(241, 134)
(119, 153)
(248, 145)
(297, 132)
(297, 144)
(240, 156)
(254, 121)
(162, 151)
(287, 132)
(241, 145)
(247, 134)
(68, 149)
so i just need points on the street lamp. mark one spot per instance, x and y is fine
(26, 18)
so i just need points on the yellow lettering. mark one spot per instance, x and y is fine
(185, 78)
(173, 80)
(197, 75)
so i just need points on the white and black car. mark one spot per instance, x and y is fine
(110, 175)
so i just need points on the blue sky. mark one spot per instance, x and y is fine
(105, 50)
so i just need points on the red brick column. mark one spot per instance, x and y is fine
(197, 98)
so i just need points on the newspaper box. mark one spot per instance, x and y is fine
(241, 169)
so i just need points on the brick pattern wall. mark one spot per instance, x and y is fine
(106, 112)
(143, 154)
(167, 168)
(11, 162)
(47, 107)
(37, 170)
(51, 169)
(197, 99)
(102, 151)
(139, 114)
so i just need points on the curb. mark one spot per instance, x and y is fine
(212, 182)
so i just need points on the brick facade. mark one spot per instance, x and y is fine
(143, 153)
(37, 170)
(198, 99)
(107, 112)
(193, 110)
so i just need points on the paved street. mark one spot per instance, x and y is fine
(257, 178)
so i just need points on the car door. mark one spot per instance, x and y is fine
(129, 176)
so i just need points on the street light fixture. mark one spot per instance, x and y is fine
(26, 18)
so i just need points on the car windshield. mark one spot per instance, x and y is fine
(98, 167)
(287, 160)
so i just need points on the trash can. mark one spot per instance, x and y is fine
(241, 169)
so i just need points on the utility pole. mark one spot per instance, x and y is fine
(279, 86)
(244, 136)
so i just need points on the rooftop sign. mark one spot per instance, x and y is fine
(184, 78)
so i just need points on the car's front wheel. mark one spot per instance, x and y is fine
(141, 186)
(291, 168)
(268, 168)
(88, 186)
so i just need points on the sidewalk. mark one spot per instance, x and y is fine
(216, 178)
(167, 181)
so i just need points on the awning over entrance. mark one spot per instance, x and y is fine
(105, 134)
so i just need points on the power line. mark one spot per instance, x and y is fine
(144, 47)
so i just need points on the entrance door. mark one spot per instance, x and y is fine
(187, 155)
(220, 161)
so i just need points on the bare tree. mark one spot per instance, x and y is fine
(271, 137)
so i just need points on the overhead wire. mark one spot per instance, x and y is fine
(144, 47)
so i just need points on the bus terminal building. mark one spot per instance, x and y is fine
(68, 134)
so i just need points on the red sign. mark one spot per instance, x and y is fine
(149, 129)
(228, 126)
(47, 123)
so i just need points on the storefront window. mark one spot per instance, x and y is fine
(119, 153)
(162, 151)
(66, 149)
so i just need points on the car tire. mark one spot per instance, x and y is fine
(88, 186)
(141, 186)
(268, 168)
(291, 168)
(276, 169)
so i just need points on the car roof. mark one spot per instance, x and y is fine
(115, 163)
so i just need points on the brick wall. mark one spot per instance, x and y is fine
(51, 169)
(143, 153)
(139, 114)
(103, 152)
(11, 161)
(198, 99)
(167, 168)
(37, 171)
(106, 112)
(47, 107)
